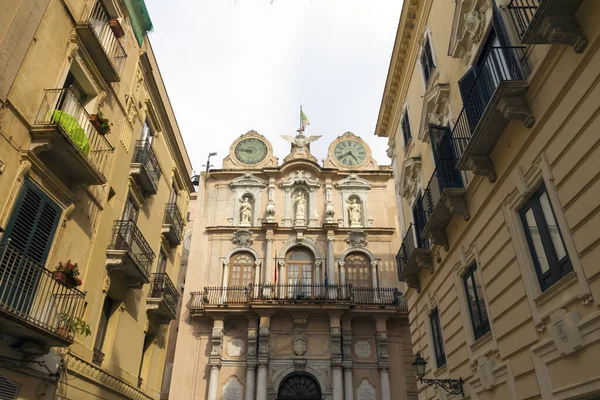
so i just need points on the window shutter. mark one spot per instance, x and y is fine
(8, 389)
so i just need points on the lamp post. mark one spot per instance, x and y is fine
(208, 160)
(451, 386)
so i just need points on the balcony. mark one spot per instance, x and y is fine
(129, 253)
(172, 227)
(144, 168)
(496, 97)
(294, 295)
(444, 197)
(98, 33)
(412, 258)
(162, 298)
(65, 140)
(34, 307)
(547, 22)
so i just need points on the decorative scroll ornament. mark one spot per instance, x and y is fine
(299, 343)
(357, 239)
(242, 238)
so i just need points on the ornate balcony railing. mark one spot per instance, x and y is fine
(126, 236)
(410, 244)
(295, 294)
(161, 287)
(175, 223)
(97, 357)
(97, 19)
(444, 176)
(522, 13)
(144, 155)
(62, 110)
(30, 297)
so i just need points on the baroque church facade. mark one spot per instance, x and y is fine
(291, 288)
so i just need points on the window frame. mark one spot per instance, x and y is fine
(484, 326)
(244, 268)
(353, 273)
(439, 352)
(557, 268)
(405, 128)
(427, 68)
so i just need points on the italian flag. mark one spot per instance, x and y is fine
(304, 120)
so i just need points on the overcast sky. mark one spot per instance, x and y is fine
(232, 66)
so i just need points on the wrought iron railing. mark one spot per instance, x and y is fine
(97, 357)
(162, 287)
(295, 294)
(97, 18)
(61, 108)
(144, 154)
(126, 236)
(173, 217)
(410, 243)
(444, 176)
(522, 13)
(499, 64)
(29, 292)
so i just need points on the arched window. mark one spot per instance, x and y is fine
(299, 387)
(241, 265)
(357, 270)
(299, 267)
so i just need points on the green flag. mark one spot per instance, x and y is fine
(304, 120)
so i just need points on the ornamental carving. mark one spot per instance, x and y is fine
(242, 238)
(410, 177)
(300, 177)
(299, 343)
(357, 239)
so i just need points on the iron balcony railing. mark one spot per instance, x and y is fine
(161, 287)
(410, 243)
(97, 357)
(173, 217)
(500, 64)
(522, 13)
(62, 109)
(29, 292)
(144, 154)
(126, 236)
(294, 294)
(96, 16)
(444, 176)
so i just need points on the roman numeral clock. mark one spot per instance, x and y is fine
(349, 152)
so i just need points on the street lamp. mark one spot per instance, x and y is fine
(213, 153)
(451, 386)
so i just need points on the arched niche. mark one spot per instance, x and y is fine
(251, 186)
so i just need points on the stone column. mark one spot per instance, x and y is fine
(257, 272)
(348, 387)
(263, 356)
(347, 358)
(335, 332)
(342, 265)
(268, 273)
(384, 376)
(330, 264)
(251, 357)
(318, 273)
(383, 362)
(213, 383)
(225, 282)
(215, 357)
(374, 279)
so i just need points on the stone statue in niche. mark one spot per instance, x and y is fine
(300, 208)
(354, 211)
(245, 212)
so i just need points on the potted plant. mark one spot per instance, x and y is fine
(116, 28)
(67, 273)
(70, 324)
(100, 123)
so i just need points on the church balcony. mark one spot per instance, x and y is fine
(172, 227)
(162, 298)
(413, 256)
(129, 253)
(547, 22)
(101, 35)
(444, 197)
(145, 169)
(496, 96)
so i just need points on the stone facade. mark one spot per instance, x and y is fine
(300, 287)
(113, 202)
(496, 187)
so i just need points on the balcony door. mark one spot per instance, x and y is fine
(241, 267)
(29, 232)
(148, 133)
(357, 270)
(299, 266)
(420, 220)
(126, 230)
(445, 158)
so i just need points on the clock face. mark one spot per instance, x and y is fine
(251, 151)
(350, 152)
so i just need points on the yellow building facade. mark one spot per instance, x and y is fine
(93, 171)
(491, 110)
(290, 287)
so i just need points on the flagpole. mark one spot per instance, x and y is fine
(300, 117)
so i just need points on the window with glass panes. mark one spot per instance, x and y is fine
(240, 269)
(475, 303)
(405, 125)
(357, 271)
(544, 238)
(427, 64)
(438, 342)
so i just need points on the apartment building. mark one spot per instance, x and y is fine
(491, 110)
(93, 172)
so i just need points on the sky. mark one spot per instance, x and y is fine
(235, 65)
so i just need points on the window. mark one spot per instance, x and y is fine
(357, 268)
(173, 195)
(427, 64)
(475, 303)
(405, 126)
(299, 267)
(438, 343)
(131, 210)
(241, 265)
(107, 309)
(546, 246)
(161, 266)
(148, 132)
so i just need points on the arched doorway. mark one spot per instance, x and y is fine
(299, 387)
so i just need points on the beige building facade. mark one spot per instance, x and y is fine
(291, 288)
(491, 110)
(93, 171)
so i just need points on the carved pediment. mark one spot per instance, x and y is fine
(353, 181)
(248, 180)
(409, 177)
(300, 177)
(435, 109)
(471, 19)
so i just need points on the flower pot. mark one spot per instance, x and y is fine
(65, 279)
(116, 28)
(96, 122)
(64, 332)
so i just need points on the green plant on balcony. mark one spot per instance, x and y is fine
(76, 325)
(74, 131)
(67, 273)
(102, 124)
